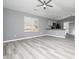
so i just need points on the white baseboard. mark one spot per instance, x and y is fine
(23, 38)
(31, 37)
(56, 36)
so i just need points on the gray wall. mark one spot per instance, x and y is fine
(72, 28)
(71, 18)
(13, 24)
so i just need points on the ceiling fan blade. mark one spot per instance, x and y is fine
(39, 5)
(49, 5)
(48, 1)
(40, 1)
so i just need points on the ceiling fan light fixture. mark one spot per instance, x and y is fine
(44, 5)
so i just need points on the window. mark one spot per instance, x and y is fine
(31, 24)
(66, 27)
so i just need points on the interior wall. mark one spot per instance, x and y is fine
(72, 28)
(13, 25)
(71, 21)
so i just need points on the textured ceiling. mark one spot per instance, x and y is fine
(60, 9)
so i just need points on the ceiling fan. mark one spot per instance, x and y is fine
(44, 4)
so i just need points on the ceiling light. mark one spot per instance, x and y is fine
(44, 5)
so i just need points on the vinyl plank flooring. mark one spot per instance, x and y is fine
(46, 47)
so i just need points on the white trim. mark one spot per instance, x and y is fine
(31, 37)
(56, 36)
(23, 38)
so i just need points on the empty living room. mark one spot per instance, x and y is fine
(38, 29)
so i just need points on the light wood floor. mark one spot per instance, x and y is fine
(46, 47)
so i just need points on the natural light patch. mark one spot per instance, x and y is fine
(31, 24)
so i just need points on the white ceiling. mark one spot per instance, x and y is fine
(60, 9)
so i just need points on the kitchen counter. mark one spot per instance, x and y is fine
(57, 33)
